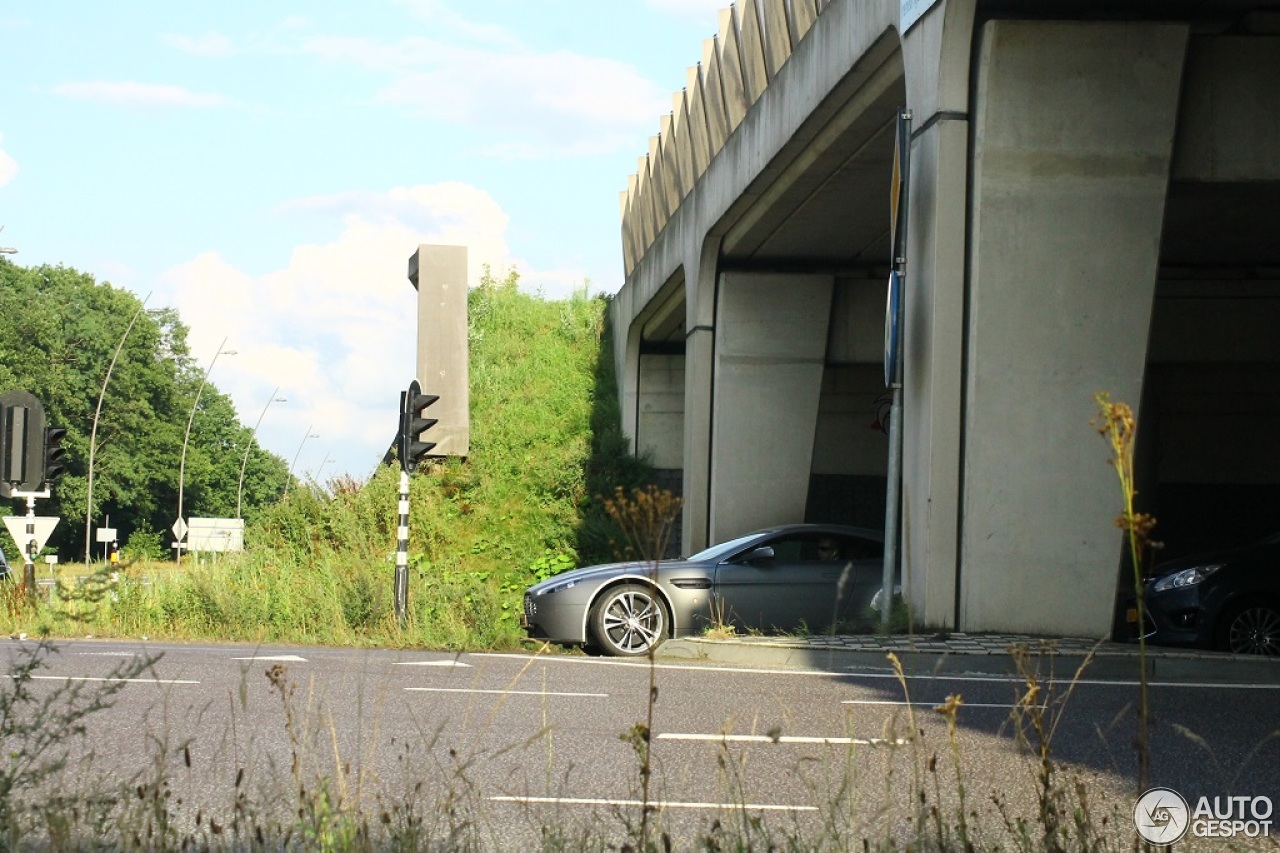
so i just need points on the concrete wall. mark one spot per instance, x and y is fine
(769, 356)
(1073, 142)
(440, 275)
(660, 423)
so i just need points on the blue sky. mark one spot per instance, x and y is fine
(268, 168)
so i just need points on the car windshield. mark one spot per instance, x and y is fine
(717, 551)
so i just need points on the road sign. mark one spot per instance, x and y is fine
(892, 330)
(898, 187)
(179, 530)
(42, 528)
(105, 534)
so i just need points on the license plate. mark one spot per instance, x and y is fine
(1131, 615)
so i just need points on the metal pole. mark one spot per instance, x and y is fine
(182, 463)
(402, 552)
(892, 496)
(93, 434)
(245, 463)
(309, 434)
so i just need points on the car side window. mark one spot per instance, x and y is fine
(787, 549)
(858, 548)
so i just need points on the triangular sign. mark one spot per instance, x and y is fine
(42, 525)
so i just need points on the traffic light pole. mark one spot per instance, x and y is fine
(402, 552)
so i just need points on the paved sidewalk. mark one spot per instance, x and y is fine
(988, 654)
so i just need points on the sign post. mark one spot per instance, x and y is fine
(893, 352)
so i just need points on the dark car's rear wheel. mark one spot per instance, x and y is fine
(1251, 628)
(628, 620)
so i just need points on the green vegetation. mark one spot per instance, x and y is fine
(318, 566)
(61, 329)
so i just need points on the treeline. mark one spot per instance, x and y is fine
(59, 329)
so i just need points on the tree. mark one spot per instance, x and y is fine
(61, 329)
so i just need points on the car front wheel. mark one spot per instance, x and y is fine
(628, 620)
(1252, 629)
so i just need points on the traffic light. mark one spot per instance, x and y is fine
(54, 466)
(413, 425)
(13, 445)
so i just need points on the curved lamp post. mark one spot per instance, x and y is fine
(182, 464)
(327, 460)
(245, 463)
(309, 434)
(93, 434)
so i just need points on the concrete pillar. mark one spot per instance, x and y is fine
(440, 275)
(769, 355)
(699, 362)
(937, 59)
(1073, 131)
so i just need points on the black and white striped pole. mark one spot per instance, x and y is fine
(402, 550)
(411, 451)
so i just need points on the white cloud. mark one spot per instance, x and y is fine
(436, 15)
(8, 166)
(138, 94)
(693, 10)
(335, 329)
(554, 103)
(209, 44)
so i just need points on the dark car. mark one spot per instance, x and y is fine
(798, 577)
(1227, 600)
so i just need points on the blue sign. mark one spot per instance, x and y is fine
(893, 330)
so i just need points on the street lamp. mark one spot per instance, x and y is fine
(309, 434)
(245, 463)
(327, 460)
(93, 434)
(182, 464)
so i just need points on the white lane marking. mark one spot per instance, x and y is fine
(657, 804)
(852, 672)
(122, 680)
(507, 692)
(290, 658)
(1002, 705)
(109, 654)
(431, 663)
(834, 741)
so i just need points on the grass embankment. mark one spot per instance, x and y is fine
(318, 568)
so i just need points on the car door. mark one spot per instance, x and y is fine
(861, 562)
(776, 585)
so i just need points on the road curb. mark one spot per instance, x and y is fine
(1162, 665)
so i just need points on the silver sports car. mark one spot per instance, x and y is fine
(798, 577)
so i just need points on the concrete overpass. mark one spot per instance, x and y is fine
(1093, 207)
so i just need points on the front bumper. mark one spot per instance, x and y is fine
(1175, 617)
(557, 620)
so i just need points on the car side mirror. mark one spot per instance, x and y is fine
(764, 552)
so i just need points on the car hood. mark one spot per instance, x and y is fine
(604, 572)
(1217, 555)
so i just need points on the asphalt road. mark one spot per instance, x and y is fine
(495, 747)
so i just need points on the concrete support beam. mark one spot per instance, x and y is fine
(440, 275)
(1073, 142)
(770, 349)
(937, 70)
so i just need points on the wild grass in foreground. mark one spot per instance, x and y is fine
(279, 771)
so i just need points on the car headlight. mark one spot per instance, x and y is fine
(1186, 577)
(558, 587)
